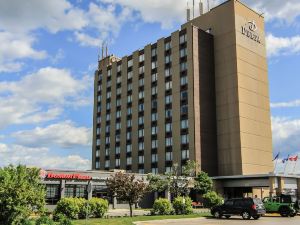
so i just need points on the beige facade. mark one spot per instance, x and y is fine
(200, 94)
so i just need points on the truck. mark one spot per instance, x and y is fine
(285, 205)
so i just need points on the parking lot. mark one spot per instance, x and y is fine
(267, 220)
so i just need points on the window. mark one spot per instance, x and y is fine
(183, 66)
(154, 170)
(154, 65)
(108, 84)
(98, 131)
(129, 75)
(168, 85)
(107, 128)
(141, 146)
(154, 77)
(185, 154)
(154, 117)
(118, 126)
(168, 169)
(97, 165)
(184, 139)
(167, 72)
(128, 135)
(129, 111)
(52, 191)
(129, 86)
(154, 158)
(141, 82)
(168, 113)
(99, 98)
(118, 114)
(117, 162)
(99, 108)
(183, 52)
(129, 123)
(153, 52)
(118, 149)
(129, 98)
(154, 104)
(130, 63)
(128, 148)
(108, 94)
(141, 58)
(107, 152)
(108, 105)
(141, 133)
(119, 91)
(129, 161)
(141, 70)
(183, 95)
(183, 80)
(184, 109)
(109, 72)
(168, 127)
(154, 130)
(184, 124)
(154, 90)
(100, 77)
(119, 80)
(154, 144)
(169, 141)
(118, 102)
(167, 46)
(168, 99)
(141, 107)
(168, 59)
(98, 142)
(97, 153)
(141, 120)
(99, 119)
(141, 159)
(107, 140)
(99, 88)
(107, 163)
(169, 156)
(107, 117)
(182, 38)
(141, 94)
(141, 171)
(119, 68)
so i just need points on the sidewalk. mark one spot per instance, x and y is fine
(126, 212)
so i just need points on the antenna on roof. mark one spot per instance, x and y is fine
(208, 8)
(188, 12)
(102, 49)
(106, 49)
(201, 8)
(193, 9)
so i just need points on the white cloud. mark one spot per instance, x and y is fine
(282, 45)
(40, 157)
(64, 135)
(41, 96)
(295, 103)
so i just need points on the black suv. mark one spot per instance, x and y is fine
(245, 207)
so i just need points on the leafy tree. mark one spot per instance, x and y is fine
(157, 182)
(212, 199)
(203, 183)
(127, 188)
(21, 193)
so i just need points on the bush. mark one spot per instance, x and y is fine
(65, 221)
(182, 205)
(26, 222)
(84, 208)
(44, 220)
(162, 206)
(98, 207)
(68, 207)
(211, 199)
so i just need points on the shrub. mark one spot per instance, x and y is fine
(98, 207)
(182, 205)
(26, 222)
(44, 220)
(162, 206)
(68, 207)
(212, 199)
(65, 221)
(84, 208)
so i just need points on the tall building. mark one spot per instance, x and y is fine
(200, 94)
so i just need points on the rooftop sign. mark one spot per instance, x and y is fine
(249, 30)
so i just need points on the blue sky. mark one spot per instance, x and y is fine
(48, 54)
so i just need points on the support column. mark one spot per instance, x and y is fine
(62, 188)
(168, 194)
(115, 202)
(280, 186)
(90, 190)
(298, 188)
(272, 189)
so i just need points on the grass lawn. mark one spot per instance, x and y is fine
(129, 220)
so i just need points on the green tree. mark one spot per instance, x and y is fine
(126, 188)
(21, 193)
(203, 183)
(157, 182)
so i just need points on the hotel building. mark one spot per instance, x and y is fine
(200, 94)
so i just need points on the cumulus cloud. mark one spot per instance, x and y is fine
(40, 157)
(65, 135)
(289, 104)
(277, 46)
(41, 96)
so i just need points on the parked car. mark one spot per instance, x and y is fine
(245, 207)
(285, 205)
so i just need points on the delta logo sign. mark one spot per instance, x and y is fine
(74, 176)
(249, 30)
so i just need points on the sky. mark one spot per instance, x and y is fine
(49, 52)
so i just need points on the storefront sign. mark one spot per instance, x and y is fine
(249, 30)
(74, 176)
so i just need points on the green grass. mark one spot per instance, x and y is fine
(130, 220)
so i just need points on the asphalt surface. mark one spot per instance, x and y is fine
(267, 220)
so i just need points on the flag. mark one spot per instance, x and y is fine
(276, 156)
(293, 158)
(285, 159)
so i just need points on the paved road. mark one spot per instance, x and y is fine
(269, 220)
